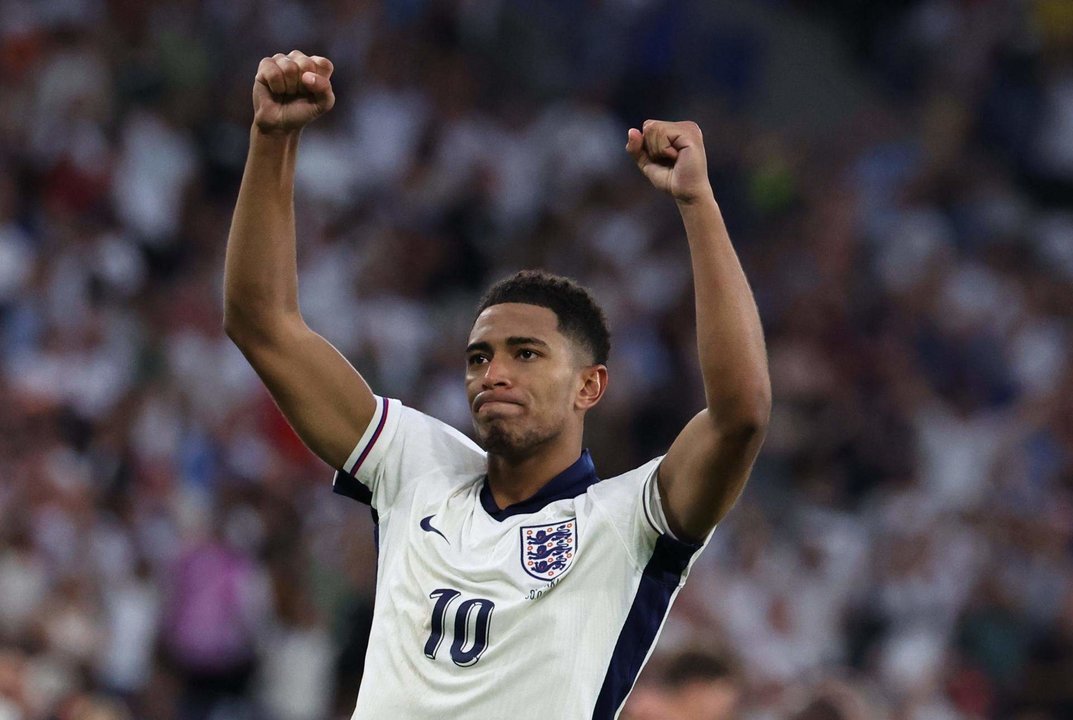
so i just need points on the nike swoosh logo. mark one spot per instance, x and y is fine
(426, 525)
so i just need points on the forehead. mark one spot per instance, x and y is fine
(498, 322)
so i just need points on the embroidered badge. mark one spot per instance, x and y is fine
(548, 550)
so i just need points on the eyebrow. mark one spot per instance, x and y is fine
(512, 341)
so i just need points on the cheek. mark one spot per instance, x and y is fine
(472, 383)
(561, 393)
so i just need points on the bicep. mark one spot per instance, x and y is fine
(323, 397)
(704, 472)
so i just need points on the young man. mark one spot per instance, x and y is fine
(511, 581)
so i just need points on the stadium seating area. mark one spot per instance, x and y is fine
(169, 550)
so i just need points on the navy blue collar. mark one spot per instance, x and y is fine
(570, 483)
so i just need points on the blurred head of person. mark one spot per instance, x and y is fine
(835, 699)
(702, 685)
(694, 685)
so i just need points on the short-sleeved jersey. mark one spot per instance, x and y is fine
(545, 609)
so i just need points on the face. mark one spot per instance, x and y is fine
(526, 382)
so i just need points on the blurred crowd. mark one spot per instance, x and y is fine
(169, 550)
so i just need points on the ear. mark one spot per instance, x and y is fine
(593, 385)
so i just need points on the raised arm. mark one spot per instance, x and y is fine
(706, 467)
(325, 400)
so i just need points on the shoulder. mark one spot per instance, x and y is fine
(627, 484)
(401, 442)
(625, 498)
(629, 505)
(439, 439)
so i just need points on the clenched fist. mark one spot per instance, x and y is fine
(290, 91)
(671, 155)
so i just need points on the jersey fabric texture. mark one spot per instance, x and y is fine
(545, 609)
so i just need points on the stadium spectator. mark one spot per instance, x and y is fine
(694, 685)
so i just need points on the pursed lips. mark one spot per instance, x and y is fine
(483, 399)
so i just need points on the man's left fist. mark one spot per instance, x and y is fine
(671, 156)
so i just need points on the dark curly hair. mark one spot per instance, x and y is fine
(580, 318)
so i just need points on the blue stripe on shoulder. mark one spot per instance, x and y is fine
(349, 486)
(660, 579)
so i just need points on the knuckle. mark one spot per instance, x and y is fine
(322, 64)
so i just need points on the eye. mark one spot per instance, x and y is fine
(527, 354)
(477, 359)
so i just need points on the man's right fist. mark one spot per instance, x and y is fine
(290, 91)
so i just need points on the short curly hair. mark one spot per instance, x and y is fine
(580, 317)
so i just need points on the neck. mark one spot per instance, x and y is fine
(515, 479)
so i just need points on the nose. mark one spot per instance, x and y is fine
(495, 375)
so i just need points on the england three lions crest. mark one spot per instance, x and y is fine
(548, 550)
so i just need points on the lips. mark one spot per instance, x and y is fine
(485, 398)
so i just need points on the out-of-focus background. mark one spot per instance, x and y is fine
(898, 180)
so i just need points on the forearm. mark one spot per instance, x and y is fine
(707, 465)
(730, 339)
(261, 272)
(324, 399)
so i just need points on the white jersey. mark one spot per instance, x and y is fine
(546, 610)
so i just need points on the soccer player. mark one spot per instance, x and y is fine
(511, 581)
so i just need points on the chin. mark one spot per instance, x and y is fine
(498, 438)
(495, 438)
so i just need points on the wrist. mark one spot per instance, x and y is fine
(701, 196)
(274, 135)
(282, 143)
(704, 198)
(703, 219)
